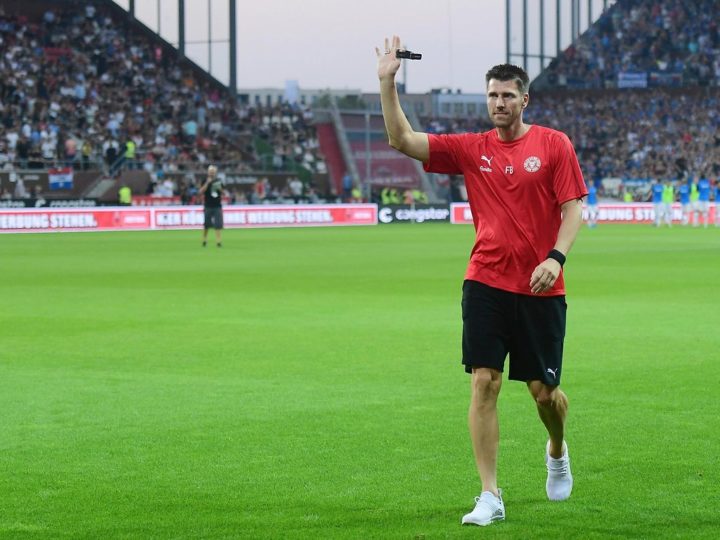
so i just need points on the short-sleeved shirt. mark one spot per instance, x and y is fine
(657, 193)
(703, 190)
(684, 190)
(592, 195)
(515, 190)
(213, 194)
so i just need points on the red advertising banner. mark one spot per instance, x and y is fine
(607, 213)
(460, 213)
(85, 219)
(183, 217)
(271, 216)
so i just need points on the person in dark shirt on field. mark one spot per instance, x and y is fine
(212, 192)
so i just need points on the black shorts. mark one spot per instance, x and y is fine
(213, 217)
(531, 329)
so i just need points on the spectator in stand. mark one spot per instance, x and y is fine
(677, 40)
(22, 150)
(125, 195)
(49, 149)
(70, 151)
(295, 187)
(419, 196)
(129, 153)
(111, 149)
(347, 185)
(5, 157)
(20, 191)
(261, 190)
(166, 188)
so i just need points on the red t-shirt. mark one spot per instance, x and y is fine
(515, 190)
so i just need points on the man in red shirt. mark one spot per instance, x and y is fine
(525, 190)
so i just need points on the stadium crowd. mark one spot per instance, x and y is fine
(632, 135)
(80, 88)
(637, 134)
(675, 42)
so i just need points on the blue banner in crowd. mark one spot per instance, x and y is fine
(632, 79)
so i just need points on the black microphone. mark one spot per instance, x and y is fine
(408, 55)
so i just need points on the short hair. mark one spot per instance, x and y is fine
(509, 72)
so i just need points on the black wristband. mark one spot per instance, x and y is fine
(557, 255)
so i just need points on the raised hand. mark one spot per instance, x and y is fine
(388, 65)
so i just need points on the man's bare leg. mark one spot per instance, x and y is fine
(552, 406)
(483, 424)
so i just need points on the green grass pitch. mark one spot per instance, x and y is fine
(306, 383)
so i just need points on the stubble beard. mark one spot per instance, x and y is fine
(503, 121)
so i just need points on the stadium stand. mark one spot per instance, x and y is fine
(638, 94)
(662, 43)
(84, 86)
(637, 135)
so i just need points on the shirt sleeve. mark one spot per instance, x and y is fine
(445, 151)
(568, 181)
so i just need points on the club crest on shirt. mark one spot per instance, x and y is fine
(532, 164)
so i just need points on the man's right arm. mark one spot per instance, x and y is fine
(401, 135)
(211, 174)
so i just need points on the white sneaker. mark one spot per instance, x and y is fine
(488, 508)
(559, 479)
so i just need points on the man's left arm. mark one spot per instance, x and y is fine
(547, 272)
